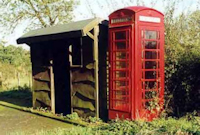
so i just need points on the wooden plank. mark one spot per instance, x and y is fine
(41, 85)
(40, 77)
(96, 69)
(52, 88)
(71, 88)
(90, 35)
(90, 26)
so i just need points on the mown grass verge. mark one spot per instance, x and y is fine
(45, 114)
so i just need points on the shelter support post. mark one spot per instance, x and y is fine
(96, 66)
(52, 88)
(96, 69)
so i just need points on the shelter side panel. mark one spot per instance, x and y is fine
(103, 58)
(41, 77)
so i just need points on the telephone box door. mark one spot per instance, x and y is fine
(120, 73)
(152, 70)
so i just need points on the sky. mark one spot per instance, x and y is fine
(102, 8)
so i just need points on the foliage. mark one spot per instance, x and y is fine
(182, 126)
(38, 13)
(15, 66)
(16, 56)
(182, 62)
(73, 116)
(93, 120)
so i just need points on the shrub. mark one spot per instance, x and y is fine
(182, 62)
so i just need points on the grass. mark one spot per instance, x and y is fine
(21, 96)
(11, 83)
(47, 114)
(1, 108)
(189, 125)
(12, 120)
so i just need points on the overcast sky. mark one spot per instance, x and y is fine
(102, 8)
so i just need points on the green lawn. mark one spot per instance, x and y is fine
(15, 121)
(1, 108)
(21, 96)
(19, 122)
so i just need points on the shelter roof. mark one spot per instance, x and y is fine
(70, 30)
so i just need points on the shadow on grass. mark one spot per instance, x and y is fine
(21, 96)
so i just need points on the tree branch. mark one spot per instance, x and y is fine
(48, 14)
(37, 14)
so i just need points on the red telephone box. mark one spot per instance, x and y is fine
(136, 57)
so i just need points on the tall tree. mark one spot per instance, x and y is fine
(37, 13)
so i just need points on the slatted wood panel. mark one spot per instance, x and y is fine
(41, 77)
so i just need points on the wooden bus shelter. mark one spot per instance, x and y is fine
(69, 67)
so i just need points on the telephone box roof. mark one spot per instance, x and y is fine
(70, 30)
(138, 9)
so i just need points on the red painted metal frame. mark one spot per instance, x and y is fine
(138, 74)
(125, 107)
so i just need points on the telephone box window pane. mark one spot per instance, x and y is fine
(150, 34)
(150, 45)
(121, 55)
(120, 35)
(150, 94)
(121, 64)
(151, 55)
(121, 95)
(150, 64)
(151, 104)
(121, 74)
(150, 75)
(121, 45)
(121, 105)
(121, 84)
(147, 105)
(150, 85)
